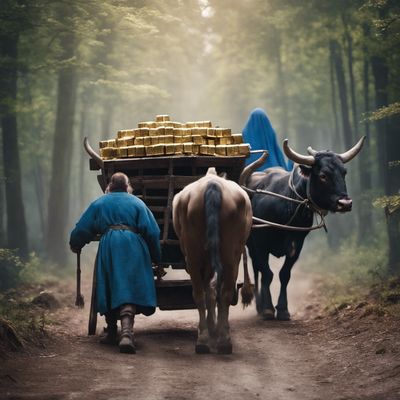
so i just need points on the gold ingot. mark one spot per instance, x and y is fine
(211, 142)
(178, 132)
(237, 138)
(111, 143)
(147, 141)
(169, 148)
(107, 152)
(160, 118)
(190, 125)
(178, 139)
(232, 150)
(244, 149)
(207, 124)
(160, 130)
(159, 149)
(161, 139)
(155, 139)
(142, 125)
(122, 152)
(149, 150)
(103, 143)
(132, 151)
(178, 148)
(140, 151)
(169, 130)
(225, 140)
(188, 148)
(210, 132)
(177, 124)
(153, 132)
(144, 131)
(197, 139)
(226, 132)
(168, 124)
(136, 132)
(196, 148)
(139, 140)
(168, 139)
(203, 149)
(220, 150)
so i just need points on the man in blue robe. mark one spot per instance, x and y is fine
(128, 245)
(258, 132)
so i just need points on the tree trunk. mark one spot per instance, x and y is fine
(365, 227)
(16, 225)
(342, 88)
(281, 83)
(58, 209)
(336, 135)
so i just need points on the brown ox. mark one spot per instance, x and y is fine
(212, 218)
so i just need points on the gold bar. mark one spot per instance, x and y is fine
(140, 151)
(237, 138)
(147, 141)
(225, 140)
(169, 148)
(232, 150)
(155, 139)
(244, 149)
(139, 141)
(188, 147)
(220, 150)
(168, 139)
(144, 131)
(178, 148)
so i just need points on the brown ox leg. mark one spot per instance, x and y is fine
(224, 344)
(211, 295)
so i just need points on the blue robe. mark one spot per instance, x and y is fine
(259, 133)
(124, 259)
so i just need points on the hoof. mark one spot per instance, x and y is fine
(268, 315)
(225, 348)
(202, 348)
(282, 315)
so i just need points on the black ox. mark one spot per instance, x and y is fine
(317, 180)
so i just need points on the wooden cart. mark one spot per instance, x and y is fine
(156, 180)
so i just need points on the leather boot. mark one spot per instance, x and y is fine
(111, 337)
(126, 342)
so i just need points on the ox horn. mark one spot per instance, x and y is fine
(311, 151)
(296, 157)
(350, 154)
(247, 171)
(92, 153)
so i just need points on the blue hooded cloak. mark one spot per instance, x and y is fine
(259, 133)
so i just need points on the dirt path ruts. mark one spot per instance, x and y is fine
(271, 360)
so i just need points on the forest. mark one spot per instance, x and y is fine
(326, 72)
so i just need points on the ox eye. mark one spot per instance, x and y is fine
(323, 177)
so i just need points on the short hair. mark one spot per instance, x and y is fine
(119, 182)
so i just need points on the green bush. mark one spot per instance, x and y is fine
(14, 271)
(10, 268)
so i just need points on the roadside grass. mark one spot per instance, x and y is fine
(353, 275)
(24, 315)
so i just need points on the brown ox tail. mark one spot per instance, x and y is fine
(212, 205)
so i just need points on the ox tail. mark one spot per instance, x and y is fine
(212, 206)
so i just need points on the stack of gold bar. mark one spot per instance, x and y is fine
(165, 137)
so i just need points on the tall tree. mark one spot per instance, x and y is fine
(58, 207)
(13, 21)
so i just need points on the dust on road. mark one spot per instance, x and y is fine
(270, 360)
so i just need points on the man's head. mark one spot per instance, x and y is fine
(119, 182)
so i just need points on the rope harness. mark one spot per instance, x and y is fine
(301, 201)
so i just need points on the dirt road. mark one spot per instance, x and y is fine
(270, 360)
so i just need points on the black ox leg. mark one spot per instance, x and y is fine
(265, 306)
(284, 276)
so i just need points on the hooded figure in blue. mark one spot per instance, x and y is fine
(129, 243)
(258, 132)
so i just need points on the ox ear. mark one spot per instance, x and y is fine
(305, 170)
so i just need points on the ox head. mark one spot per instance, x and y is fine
(326, 173)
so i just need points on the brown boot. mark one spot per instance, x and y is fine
(126, 342)
(111, 337)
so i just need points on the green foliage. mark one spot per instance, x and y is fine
(347, 274)
(15, 272)
(390, 203)
(386, 112)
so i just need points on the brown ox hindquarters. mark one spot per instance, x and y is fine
(212, 214)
